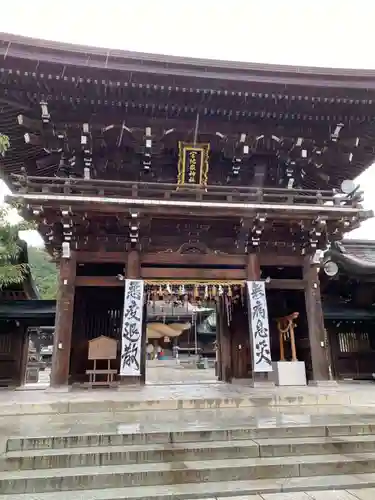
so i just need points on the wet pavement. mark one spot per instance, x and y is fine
(189, 406)
(351, 393)
(182, 420)
(158, 372)
(181, 406)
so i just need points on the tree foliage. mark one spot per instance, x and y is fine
(44, 272)
(11, 271)
(4, 144)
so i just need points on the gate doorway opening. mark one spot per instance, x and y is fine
(97, 312)
(181, 337)
(180, 334)
(39, 347)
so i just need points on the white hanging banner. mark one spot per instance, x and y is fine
(259, 326)
(131, 331)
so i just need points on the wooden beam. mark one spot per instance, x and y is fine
(193, 273)
(84, 256)
(173, 258)
(277, 260)
(243, 235)
(259, 174)
(34, 140)
(30, 124)
(276, 211)
(285, 284)
(100, 281)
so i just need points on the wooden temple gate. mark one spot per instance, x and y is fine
(92, 306)
(207, 172)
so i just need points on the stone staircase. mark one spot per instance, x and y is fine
(189, 464)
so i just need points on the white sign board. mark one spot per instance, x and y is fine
(131, 331)
(259, 326)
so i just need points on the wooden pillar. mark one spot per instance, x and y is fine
(315, 321)
(252, 267)
(224, 361)
(253, 274)
(63, 322)
(23, 355)
(133, 265)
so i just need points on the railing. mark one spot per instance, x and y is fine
(164, 191)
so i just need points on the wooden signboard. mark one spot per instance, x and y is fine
(102, 348)
(193, 164)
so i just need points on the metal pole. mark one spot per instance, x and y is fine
(195, 335)
(196, 129)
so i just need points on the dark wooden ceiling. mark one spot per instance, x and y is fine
(109, 89)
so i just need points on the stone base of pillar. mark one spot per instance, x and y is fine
(263, 384)
(61, 388)
(249, 382)
(129, 382)
(323, 383)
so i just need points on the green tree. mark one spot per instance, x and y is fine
(11, 271)
(4, 144)
(44, 272)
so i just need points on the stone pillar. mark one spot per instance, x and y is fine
(63, 323)
(315, 321)
(253, 274)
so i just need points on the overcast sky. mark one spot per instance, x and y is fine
(332, 33)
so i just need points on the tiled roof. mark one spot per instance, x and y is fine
(354, 256)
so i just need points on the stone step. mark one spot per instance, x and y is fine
(133, 454)
(158, 474)
(211, 396)
(189, 436)
(224, 490)
(176, 452)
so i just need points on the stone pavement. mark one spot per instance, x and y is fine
(368, 494)
(182, 406)
(365, 494)
(361, 494)
(169, 372)
(163, 372)
(185, 396)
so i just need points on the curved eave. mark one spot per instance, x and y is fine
(14, 46)
(350, 262)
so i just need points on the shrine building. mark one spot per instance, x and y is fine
(156, 178)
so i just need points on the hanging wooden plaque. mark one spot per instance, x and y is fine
(193, 164)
